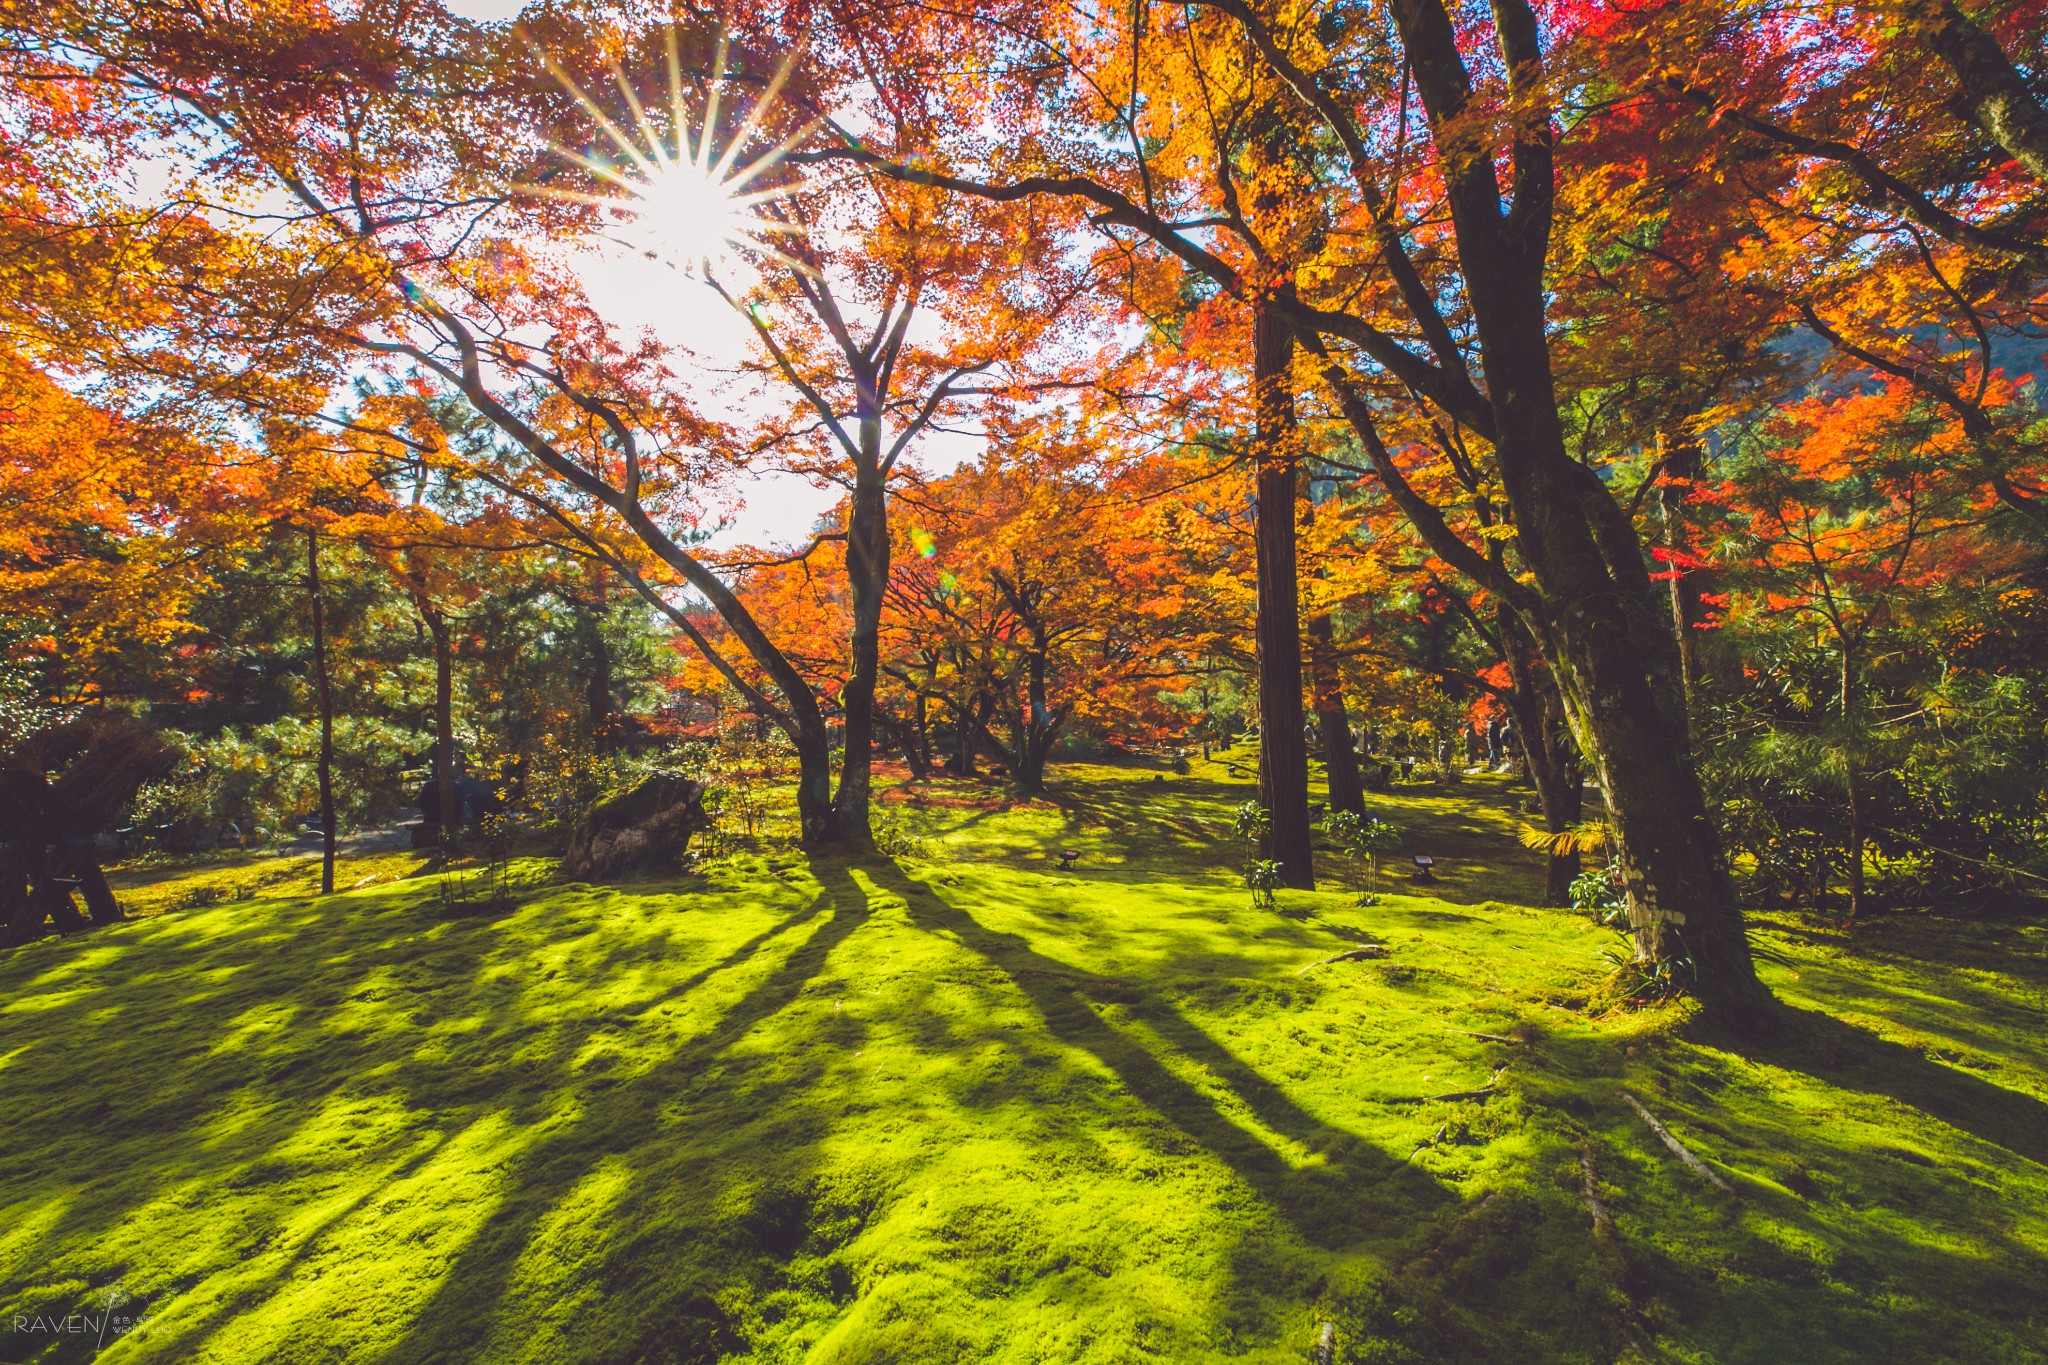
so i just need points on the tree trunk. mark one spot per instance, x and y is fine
(51, 899)
(444, 716)
(1040, 727)
(323, 693)
(597, 690)
(1340, 762)
(100, 904)
(1560, 789)
(1852, 776)
(817, 816)
(1623, 686)
(918, 752)
(1604, 628)
(19, 919)
(1283, 753)
(1538, 711)
(961, 764)
(867, 573)
(1035, 724)
(1689, 583)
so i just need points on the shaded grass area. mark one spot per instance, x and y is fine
(966, 1107)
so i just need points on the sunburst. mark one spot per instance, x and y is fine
(690, 206)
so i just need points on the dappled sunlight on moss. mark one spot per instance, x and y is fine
(971, 1107)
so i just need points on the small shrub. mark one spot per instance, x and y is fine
(1364, 839)
(894, 841)
(1597, 890)
(1633, 976)
(1262, 875)
(1251, 822)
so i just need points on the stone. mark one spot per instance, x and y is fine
(647, 827)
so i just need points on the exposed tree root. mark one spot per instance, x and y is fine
(1429, 1142)
(1489, 1037)
(1678, 1148)
(1361, 953)
(1603, 1222)
(1453, 1240)
(1487, 1091)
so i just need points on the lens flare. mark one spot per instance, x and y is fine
(689, 206)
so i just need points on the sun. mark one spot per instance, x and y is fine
(685, 202)
(685, 217)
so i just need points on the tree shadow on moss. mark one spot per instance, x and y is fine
(1865, 1222)
(1853, 1058)
(1347, 1198)
(681, 1321)
(200, 1102)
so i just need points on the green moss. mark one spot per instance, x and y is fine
(971, 1108)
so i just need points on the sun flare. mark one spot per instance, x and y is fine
(683, 216)
(689, 206)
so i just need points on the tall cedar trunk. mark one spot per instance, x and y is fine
(324, 695)
(445, 727)
(1852, 775)
(1340, 762)
(444, 716)
(1283, 752)
(867, 573)
(1326, 688)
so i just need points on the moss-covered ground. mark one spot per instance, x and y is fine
(960, 1106)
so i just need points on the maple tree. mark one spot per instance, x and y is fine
(1417, 288)
(427, 230)
(1521, 285)
(1850, 508)
(1051, 584)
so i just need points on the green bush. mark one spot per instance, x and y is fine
(266, 776)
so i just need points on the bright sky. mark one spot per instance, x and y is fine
(634, 293)
(484, 11)
(637, 294)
